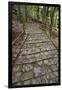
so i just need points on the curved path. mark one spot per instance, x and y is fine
(37, 60)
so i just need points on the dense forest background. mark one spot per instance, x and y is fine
(47, 15)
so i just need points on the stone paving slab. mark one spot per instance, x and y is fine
(37, 63)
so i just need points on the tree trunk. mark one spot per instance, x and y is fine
(18, 14)
(52, 20)
(38, 13)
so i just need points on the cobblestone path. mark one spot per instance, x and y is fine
(37, 61)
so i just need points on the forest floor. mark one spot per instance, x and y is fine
(37, 61)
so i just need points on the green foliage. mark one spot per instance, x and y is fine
(47, 14)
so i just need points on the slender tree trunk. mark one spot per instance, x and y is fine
(52, 20)
(18, 14)
(26, 13)
(38, 13)
(24, 18)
